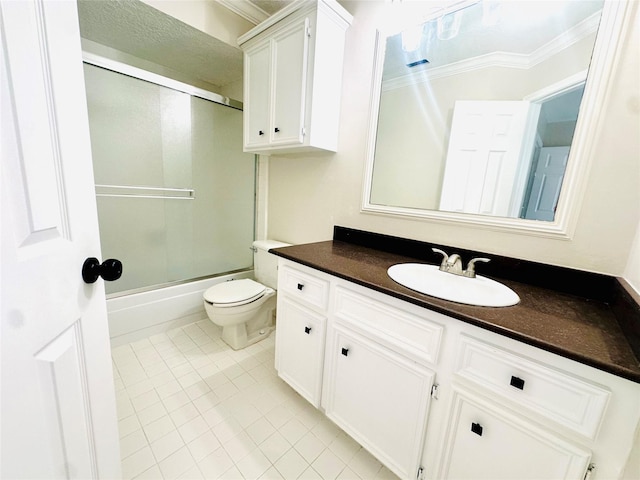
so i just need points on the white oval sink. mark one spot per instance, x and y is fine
(427, 279)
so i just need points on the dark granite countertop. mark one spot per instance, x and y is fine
(576, 327)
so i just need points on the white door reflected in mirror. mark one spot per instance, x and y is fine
(491, 148)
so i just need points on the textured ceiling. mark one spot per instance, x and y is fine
(271, 6)
(136, 28)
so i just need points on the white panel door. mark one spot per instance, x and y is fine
(489, 146)
(300, 340)
(485, 442)
(379, 398)
(290, 57)
(57, 399)
(256, 96)
(547, 181)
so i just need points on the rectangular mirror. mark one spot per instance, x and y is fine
(481, 111)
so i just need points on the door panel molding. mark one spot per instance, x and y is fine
(63, 375)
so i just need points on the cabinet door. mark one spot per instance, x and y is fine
(290, 56)
(300, 336)
(256, 95)
(486, 442)
(379, 398)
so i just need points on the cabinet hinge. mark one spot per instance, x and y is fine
(419, 475)
(589, 472)
(434, 391)
(308, 32)
(304, 131)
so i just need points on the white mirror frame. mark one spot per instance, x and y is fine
(605, 57)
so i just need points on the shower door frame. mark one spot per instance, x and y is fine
(184, 194)
(139, 73)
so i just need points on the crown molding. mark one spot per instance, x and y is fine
(337, 12)
(246, 10)
(499, 59)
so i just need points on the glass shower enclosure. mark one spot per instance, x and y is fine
(175, 192)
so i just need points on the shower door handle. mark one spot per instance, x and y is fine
(109, 270)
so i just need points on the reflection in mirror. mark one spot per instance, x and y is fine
(478, 108)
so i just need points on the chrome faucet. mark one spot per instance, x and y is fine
(453, 264)
(445, 259)
(471, 267)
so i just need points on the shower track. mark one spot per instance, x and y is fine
(140, 74)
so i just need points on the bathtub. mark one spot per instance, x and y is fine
(139, 315)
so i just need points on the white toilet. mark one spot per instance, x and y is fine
(245, 308)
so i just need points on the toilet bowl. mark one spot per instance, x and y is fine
(245, 309)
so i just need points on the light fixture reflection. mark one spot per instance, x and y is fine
(449, 25)
(411, 38)
(490, 13)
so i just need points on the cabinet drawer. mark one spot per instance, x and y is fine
(414, 335)
(304, 286)
(567, 400)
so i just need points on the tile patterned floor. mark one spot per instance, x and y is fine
(189, 407)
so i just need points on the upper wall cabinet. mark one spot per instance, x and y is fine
(293, 78)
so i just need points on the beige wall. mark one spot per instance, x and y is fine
(308, 195)
(632, 272)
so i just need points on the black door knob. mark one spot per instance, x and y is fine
(276, 129)
(109, 270)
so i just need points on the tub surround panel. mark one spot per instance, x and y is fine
(576, 317)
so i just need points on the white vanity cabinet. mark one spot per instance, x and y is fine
(372, 372)
(488, 442)
(515, 411)
(293, 78)
(377, 385)
(433, 397)
(379, 398)
(490, 438)
(300, 330)
(567, 402)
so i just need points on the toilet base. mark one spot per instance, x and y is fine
(236, 336)
(242, 335)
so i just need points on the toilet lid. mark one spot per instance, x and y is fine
(235, 291)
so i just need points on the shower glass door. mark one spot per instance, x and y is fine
(175, 192)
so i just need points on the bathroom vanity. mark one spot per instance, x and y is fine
(547, 388)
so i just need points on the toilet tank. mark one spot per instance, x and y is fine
(265, 264)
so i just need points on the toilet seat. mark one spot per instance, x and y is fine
(234, 293)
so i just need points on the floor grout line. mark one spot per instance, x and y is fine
(190, 407)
